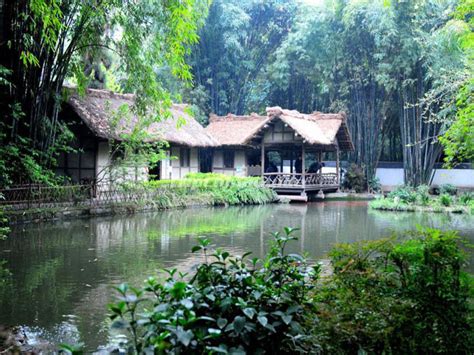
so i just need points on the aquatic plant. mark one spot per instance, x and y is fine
(446, 200)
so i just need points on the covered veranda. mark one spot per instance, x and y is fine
(301, 141)
(274, 142)
(301, 169)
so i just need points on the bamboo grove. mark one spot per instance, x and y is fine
(401, 69)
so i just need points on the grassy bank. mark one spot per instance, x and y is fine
(209, 189)
(419, 199)
(195, 190)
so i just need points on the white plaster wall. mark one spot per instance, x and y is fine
(102, 164)
(456, 177)
(240, 163)
(178, 172)
(165, 167)
(218, 158)
(390, 176)
(107, 174)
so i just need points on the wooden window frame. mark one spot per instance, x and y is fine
(184, 157)
(228, 159)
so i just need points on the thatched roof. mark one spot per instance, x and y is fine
(109, 115)
(234, 130)
(316, 128)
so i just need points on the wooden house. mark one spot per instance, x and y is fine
(285, 147)
(101, 118)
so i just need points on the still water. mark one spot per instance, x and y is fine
(62, 272)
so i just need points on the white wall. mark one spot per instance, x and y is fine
(456, 177)
(390, 177)
(178, 172)
(240, 163)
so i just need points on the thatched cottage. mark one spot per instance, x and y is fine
(285, 147)
(91, 118)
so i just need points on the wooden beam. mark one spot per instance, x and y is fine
(338, 173)
(263, 158)
(303, 170)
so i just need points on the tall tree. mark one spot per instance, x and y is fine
(45, 41)
(235, 46)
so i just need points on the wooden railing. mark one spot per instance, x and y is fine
(300, 180)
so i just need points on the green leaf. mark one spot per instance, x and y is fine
(262, 320)
(184, 337)
(239, 324)
(221, 322)
(187, 303)
(287, 319)
(249, 312)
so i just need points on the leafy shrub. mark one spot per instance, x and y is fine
(396, 298)
(204, 188)
(446, 200)
(374, 184)
(466, 198)
(423, 195)
(405, 194)
(206, 176)
(355, 179)
(388, 204)
(448, 189)
(230, 305)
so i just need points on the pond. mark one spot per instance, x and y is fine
(62, 272)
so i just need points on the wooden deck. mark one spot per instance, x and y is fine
(301, 183)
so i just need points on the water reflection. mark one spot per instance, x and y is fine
(62, 272)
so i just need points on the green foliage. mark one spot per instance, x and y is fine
(446, 200)
(407, 198)
(466, 198)
(422, 194)
(392, 297)
(236, 45)
(206, 188)
(458, 141)
(229, 305)
(355, 179)
(63, 39)
(405, 194)
(374, 184)
(4, 229)
(448, 189)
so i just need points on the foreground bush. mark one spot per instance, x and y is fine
(396, 298)
(383, 297)
(230, 305)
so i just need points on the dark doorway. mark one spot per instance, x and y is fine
(155, 172)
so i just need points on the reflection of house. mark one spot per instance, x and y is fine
(285, 147)
(92, 119)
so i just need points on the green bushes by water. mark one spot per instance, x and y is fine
(205, 189)
(386, 296)
(391, 297)
(406, 198)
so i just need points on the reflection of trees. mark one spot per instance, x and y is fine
(67, 268)
(407, 220)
